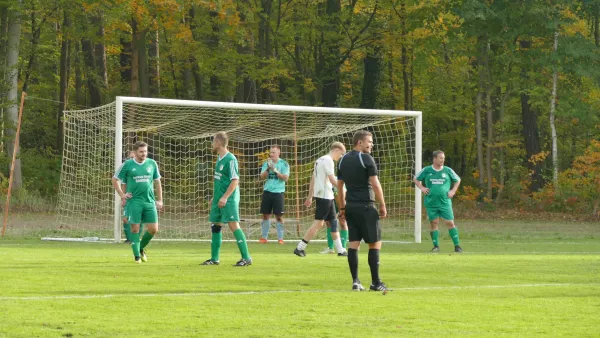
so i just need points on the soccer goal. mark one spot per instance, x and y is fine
(179, 134)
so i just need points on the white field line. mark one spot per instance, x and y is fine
(265, 292)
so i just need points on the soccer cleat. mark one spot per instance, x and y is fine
(138, 260)
(143, 256)
(262, 241)
(457, 248)
(244, 262)
(280, 241)
(210, 262)
(379, 287)
(435, 249)
(343, 254)
(327, 251)
(356, 286)
(300, 253)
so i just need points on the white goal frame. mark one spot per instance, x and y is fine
(118, 156)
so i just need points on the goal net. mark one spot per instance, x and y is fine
(179, 134)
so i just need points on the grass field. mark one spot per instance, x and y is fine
(537, 286)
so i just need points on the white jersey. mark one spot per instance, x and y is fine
(323, 168)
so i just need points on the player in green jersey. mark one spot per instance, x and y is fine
(225, 203)
(139, 174)
(439, 185)
(125, 220)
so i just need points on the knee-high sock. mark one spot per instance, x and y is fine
(240, 238)
(374, 265)
(215, 242)
(265, 225)
(353, 263)
(145, 240)
(280, 230)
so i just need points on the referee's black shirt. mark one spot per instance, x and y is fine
(354, 169)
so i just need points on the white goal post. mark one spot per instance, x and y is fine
(179, 133)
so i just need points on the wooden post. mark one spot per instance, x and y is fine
(12, 166)
(297, 179)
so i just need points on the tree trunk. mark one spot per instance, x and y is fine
(63, 81)
(134, 81)
(597, 26)
(478, 108)
(79, 94)
(502, 165)
(3, 55)
(93, 81)
(12, 114)
(143, 63)
(490, 143)
(125, 60)
(154, 65)
(265, 46)
(530, 128)
(100, 51)
(552, 118)
(404, 59)
(330, 73)
(373, 62)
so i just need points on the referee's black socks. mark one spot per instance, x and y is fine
(374, 265)
(353, 263)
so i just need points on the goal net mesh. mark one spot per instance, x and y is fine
(179, 139)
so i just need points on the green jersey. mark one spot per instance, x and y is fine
(226, 170)
(139, 178)
(439, 183)
(273, 183)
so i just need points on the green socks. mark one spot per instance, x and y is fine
(135, 244)
(454, 235)
(344, 237)
(127, 230)
(435, 237)
(145, 240)
(215, 244)
(329, 239)
(240, 239)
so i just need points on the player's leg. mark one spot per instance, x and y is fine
(321, 211)
(265, 209)
(126, 228)
(329, 249)
(344, 232)
(134, 211)
(354, 236)
(372, 237)
(278, 210)
(231, 215)
(216, 234)
(434, 220)
(448, 216)
(150, 218)
(335, 234)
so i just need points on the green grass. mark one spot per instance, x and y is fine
(497, 287)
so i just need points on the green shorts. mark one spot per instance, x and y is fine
(139, 212)
(229, 213)
(445, 213)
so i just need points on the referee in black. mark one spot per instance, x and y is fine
(357, 170)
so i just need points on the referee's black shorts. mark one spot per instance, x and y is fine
(271, 203)
(324, 210)
(363, 222)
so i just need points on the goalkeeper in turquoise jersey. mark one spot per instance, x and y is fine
(225, 203)
(439, 185)
(139, 174)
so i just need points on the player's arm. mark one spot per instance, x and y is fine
(123, 188)
(159, 193)
(456, 183)
(331, 173)
(311, 189)
(230, 189)
(375, 184)
(341, 196)
(117, 185)
(418, 181)
(281, 175)
(264, 172)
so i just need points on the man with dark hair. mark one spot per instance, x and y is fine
(139, 175)
(276, 171)
(357, 170)
(225, 204)
(439, 185)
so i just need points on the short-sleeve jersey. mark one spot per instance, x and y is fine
(355, 169)
(439, 183)
(273, 183)
(323, 168)
(226, 170)
(139, 178)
